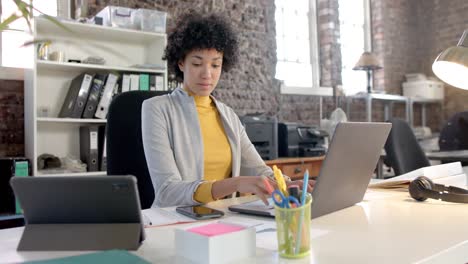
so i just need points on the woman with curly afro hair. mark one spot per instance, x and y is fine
(195, 146)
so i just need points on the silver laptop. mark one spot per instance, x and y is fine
(79, 212)
(346, 171)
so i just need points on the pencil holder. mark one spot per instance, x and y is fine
(293, 230)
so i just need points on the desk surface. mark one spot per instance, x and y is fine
(387, 227)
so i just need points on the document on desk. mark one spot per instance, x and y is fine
(156, 216)
(448, 174)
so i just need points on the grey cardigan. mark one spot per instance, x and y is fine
(173, 146)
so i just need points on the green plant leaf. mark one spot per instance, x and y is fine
(36, 41)
(24, 9)
(4, 25)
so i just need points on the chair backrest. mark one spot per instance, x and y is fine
(404, 154)
(454, 134)
(124, 145)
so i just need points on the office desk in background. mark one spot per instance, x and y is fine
(295, 167)
(452, 156)
(443, 156)
(387, 227)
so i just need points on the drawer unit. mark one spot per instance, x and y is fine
(295, 167)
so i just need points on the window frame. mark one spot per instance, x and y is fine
(367, 35)
(316, 89)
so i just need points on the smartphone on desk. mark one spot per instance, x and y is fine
(199, 212)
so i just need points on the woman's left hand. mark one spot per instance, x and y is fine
(310, 185)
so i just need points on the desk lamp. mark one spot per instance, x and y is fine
(367, 62)
(451, 66)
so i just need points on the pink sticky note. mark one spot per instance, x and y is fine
(215, 229)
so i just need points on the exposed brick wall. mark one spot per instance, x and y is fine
(407, 36)
(400, 40)
(444, 22)
(11, 118)
(251, 86)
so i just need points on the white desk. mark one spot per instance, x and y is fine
(387, 227)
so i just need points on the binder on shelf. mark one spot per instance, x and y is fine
(116, 90)
(125, 83)
(106, 96)
(152, 81)
(159, 83)
(134, 82)
(89, 147)
(93, 98)
(77, 95)
(102, 148)
(144, 82)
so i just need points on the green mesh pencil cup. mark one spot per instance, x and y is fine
(293, 230)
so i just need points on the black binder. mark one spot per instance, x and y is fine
(102, 148)
(77, 95)
(89, 147)
(93, 97)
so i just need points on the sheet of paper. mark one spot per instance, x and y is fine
(459, 180)
(260, 225)
(163, 216)
(260, 206)
(436, 173)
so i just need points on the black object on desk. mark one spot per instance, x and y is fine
(8, 168)
(79, 212)
(9, 221)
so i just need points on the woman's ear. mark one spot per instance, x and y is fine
(181, 66)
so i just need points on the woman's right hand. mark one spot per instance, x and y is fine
(255, 185)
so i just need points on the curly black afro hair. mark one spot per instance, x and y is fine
(194, 31)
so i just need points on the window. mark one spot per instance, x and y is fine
(297, 46)
(354, 19)
(12, 53)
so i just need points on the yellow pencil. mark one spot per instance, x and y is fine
(280, 180)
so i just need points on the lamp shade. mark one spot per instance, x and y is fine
(451, 66)
(367, 61)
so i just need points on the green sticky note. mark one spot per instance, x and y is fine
(103, 257)
(144, 82)
(21, 170)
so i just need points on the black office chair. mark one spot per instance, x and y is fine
(404, 154)
(125, 154)
(454, 134)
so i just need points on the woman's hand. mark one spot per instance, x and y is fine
(310, 186)
(255, 185)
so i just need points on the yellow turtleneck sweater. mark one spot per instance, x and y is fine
(217, 151)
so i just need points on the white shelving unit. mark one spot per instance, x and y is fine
(389, 100)
(47, 83)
